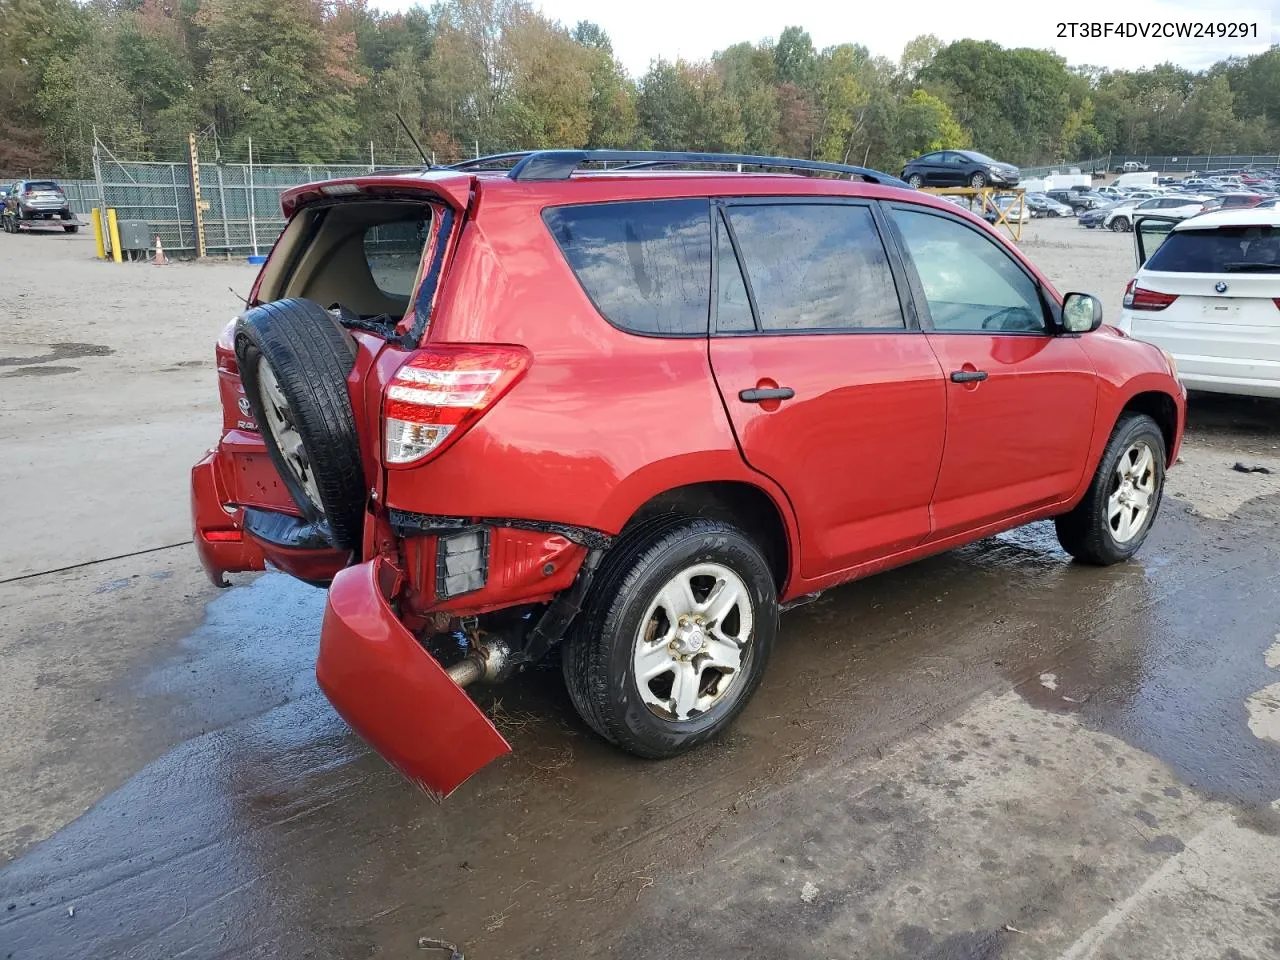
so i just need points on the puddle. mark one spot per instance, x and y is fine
(59, 351)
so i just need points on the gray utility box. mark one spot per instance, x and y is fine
(135, 235)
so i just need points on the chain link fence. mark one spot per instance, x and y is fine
(241, 214)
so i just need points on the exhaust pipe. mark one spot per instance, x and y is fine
(487, 661)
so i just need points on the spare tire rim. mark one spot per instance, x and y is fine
(693, 642)
(282, 422)
(1133, 492)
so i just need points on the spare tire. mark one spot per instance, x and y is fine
(294, 361)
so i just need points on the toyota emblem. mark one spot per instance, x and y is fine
(1220, 286)
(244, 406)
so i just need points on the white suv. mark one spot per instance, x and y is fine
(1120, 218)
(1207, 290)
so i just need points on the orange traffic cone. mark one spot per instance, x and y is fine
(160, 259)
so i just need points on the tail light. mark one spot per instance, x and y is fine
(1139, 298)
(441, 391)
(225, 351)
(1276, 301)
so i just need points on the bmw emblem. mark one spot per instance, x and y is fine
(1220, 286)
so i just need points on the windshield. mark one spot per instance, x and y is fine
(1223, 250)
(980, 157)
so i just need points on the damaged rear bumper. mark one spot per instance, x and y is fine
(218, 534)
(395, 694)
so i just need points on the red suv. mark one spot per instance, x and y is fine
(628, 414)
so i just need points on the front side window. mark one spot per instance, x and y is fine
(816, 267)
(646, 265)
(970, 283)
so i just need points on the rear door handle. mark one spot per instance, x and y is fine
(968, 376)
(760, 394)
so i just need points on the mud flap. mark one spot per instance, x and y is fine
(393, 693)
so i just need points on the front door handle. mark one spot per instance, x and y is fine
(761, 394)
(968, 376)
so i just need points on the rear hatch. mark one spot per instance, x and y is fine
(381, 272)
(44, 195)
(1211, 294)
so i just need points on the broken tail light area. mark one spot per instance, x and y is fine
(440, 392)
(462, 563)
(1140, 298)
(392, 692)
(475, 567)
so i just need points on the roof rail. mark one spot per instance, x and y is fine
(561, 164)
(478, 162)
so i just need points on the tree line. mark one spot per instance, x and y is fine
(320, 80)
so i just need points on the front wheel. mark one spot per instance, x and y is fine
(978, 181)
(70, 227)
(1116, 514)
(675, 636)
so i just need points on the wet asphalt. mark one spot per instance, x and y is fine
(1070, 698)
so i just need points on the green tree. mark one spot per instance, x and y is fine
(926, 124)
(278, 71)
(795, 57)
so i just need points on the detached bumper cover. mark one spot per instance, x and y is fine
(393, 693)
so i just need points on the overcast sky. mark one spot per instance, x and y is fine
(644, 29)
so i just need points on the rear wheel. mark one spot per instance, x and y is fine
(70, 227)
(1120, 224)
(1116, 514)
(916, 180)
(675, 637)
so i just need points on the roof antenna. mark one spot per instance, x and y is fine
(414, 140)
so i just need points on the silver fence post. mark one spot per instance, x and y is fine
(222, 206)
(371, 163)
(102, 195)
(253, 220)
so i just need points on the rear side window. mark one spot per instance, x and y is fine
(733, 307)
(1224, 250)
(646, 265)
(394, 253)
(816, 267)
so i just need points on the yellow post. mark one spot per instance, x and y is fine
(114, 232)
(95, 216)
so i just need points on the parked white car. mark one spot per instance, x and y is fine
(1207, 291)
(1120, 218)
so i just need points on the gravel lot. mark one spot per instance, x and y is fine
(992, 753)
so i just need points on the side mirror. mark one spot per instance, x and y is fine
(1081, 313)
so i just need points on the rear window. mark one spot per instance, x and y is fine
(394, 253)
(646, 265)
(42, 185)
(1224, 250)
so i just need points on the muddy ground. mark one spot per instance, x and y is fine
(992, 753)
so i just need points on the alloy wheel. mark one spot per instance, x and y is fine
(282, 423)
(693, 642)
(1133, 491)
